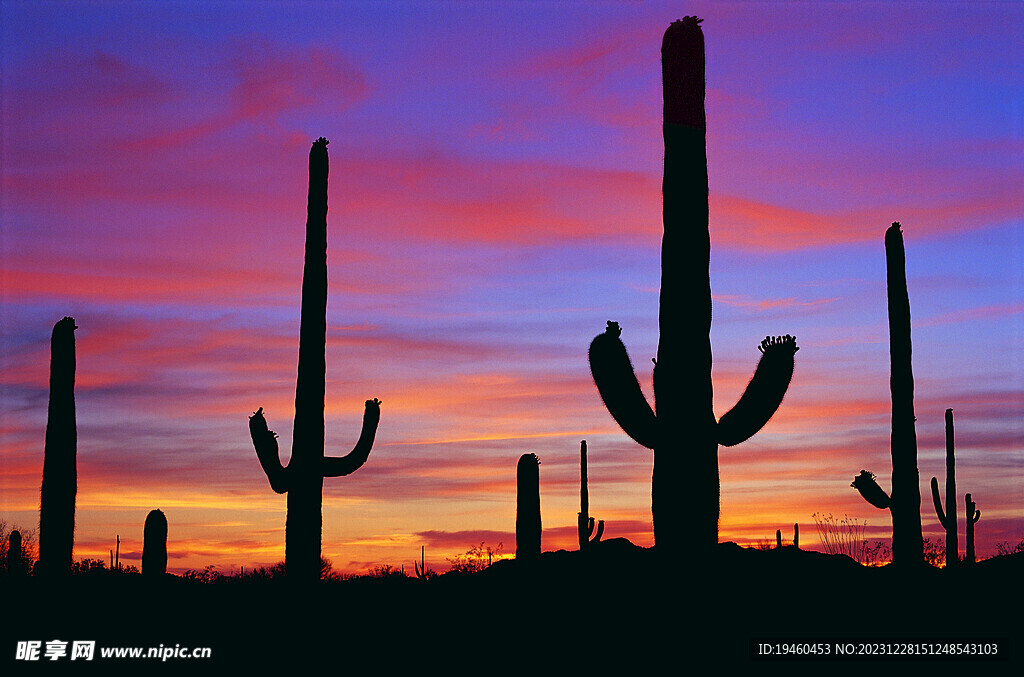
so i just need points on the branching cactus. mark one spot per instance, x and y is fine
(947, 518)
(528, 507)
(584, 522)
(60, 471)
(154, 545)
(973, 515)
(905, 502)
(303, 478)
(684, 433)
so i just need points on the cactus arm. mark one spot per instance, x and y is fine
(600, 531)
(937, 501)
(867, 486)
(265, 442)
(764, 393)
(617, 384)
(344, 465)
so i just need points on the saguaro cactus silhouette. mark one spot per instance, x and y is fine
(60, 471)
(154, 544)
(15, 565)
(303, 478)
(947, 518)
(973, 515)
(905, 502)
(584, 522)
(684, 433)
(528, 507)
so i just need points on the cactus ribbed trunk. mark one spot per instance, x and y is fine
(528, 526)
(687, 444)
(60, 472)
(154, 547)
(905, 498)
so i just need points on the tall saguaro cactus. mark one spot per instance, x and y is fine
(905, 502)
(303, 478)
(947, 518)
(684, 434)
(528, 507)
(60, 471)
(154, 544)
(584, 522)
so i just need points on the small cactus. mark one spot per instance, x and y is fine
(423, 572)
(528, 507)
(60, 471)
(154, 548)
(15, 565)
(973, 515)
(947, 518)
(584, 522)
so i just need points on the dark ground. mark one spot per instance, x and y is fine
(619, 607)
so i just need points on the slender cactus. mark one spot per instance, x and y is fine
(584, 522)
(948, 517)
(973, 515)
(528, 507)
(905, 502)
(684, 434)
(154, 545)
(422, 572)
(303, 478)
(778, 539)
(60, 472)
(796, 536)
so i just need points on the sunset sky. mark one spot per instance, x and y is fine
(494, 200)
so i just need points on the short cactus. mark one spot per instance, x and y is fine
(584, 522)
(973, 515)
(154, 547)
(60, 471)
(905, 502)
(15, 565)
(528, 507)
(303, 478)
(947, 518)
(684, 433)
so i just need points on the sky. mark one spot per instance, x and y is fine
(495, 200)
